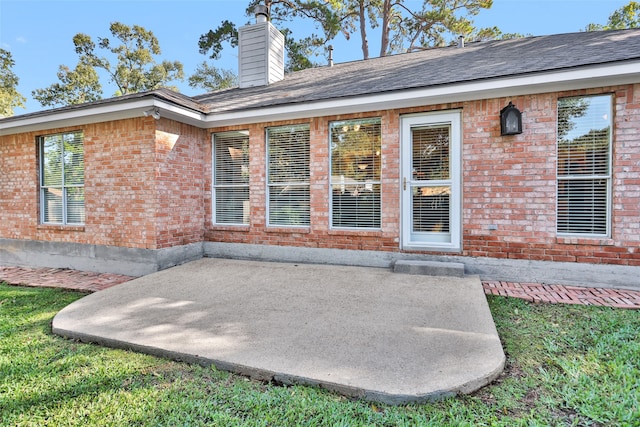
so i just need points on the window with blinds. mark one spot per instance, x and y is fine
(355, 173)
(62, 178)
(231, 178)
(288, 175)
(584, 165)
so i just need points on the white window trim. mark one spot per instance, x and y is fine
(63, 187)
(214, 186)
(268, 184)
(331, 183)
(608, 177)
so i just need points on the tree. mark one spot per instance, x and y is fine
(492, 33)
(212, 78)
(281, 12)
(404, 29)
(351, 16)
(627, 16)
(76, 87)
(134, 69)
(10, 98)
(401, 27)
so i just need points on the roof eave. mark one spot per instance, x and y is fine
(111, 110)
(508, 86)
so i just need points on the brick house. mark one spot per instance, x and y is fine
(363, 163)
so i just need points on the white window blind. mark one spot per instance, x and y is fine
(355, 173)
(584, 165)
(62, 178)
(431, 172)
(231, 178)
(288, 175)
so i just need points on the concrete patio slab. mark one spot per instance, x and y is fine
(364, 332)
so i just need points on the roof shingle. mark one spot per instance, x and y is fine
(433, 67)
(403, 72)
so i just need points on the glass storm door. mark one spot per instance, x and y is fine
(431, 181)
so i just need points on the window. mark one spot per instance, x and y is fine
(355, 173)
(584, 165)
(62, 178)
(288, 175)
(231, 178)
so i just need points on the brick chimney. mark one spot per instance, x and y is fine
(260, 52)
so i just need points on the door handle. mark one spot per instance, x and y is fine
(404, 183)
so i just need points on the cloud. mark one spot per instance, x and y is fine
(21, 39)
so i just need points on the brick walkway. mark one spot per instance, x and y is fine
(61, 278)
(534, 292)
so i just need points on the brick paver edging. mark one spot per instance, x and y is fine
(534, 292)
(537, 292)
(61, 278)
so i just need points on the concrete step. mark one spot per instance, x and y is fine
(429, 268)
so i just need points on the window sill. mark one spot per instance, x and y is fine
(292, 230)
(61, 227)
(354, 232)
(578, 240)
(229, 227)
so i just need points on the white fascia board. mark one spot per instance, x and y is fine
(597, 76)
(100, 113)
(180, 114)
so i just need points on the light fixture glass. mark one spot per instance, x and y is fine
(510, 120)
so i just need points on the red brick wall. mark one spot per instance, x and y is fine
(148, 185)
(508, 182)
(18, 186)
(143, 188)
(626, 179)
(179, 173)
(318, 235)
(119, 183)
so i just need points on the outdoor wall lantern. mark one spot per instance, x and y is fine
(510, 120)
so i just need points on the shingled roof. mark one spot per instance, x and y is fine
(451, 70)
(433, 67)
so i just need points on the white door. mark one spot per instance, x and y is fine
(430, 181)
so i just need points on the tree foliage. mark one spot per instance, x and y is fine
(10, 98)
(626, 17)
(131, 67)
(76, 86)
(212, 78)
(136, 69)
(299, 51)
(403, 27)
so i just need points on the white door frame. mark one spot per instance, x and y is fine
(425, 241)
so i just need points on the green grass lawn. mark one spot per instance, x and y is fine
(566, 366)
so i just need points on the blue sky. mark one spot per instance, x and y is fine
(39, 33)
